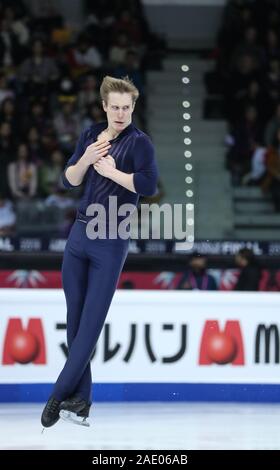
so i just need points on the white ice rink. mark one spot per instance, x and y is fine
(130, 426)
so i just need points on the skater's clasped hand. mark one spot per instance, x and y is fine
(104, 166)
(109, 159)
(96, 151)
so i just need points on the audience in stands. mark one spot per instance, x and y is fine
(250, 272)
(49, 81)
(22, 174)
(196, 276)
(247, 76)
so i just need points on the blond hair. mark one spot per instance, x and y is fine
(118, 85)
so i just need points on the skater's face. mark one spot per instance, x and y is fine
(119, 109)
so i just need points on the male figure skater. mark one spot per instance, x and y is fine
(113, 158)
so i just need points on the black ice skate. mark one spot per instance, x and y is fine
(50, 413)
(75, 410)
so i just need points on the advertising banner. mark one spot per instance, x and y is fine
(148, 337)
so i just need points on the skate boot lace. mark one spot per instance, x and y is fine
(53, 405)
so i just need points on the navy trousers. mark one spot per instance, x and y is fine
(90, 272)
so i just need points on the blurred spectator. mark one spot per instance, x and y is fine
(249, 46)
(8, 113)
(59, 199)
(254, 96)
(22, 174)
(272, 82)
(94, 115)
(131, 68)
(241, 139)
(18, 24)
(272, 126)
(7, 217)
(67, 90)
(5, 91)
(272, 181)
(50, 173)
(38, 72)
(45, 16)
(196, 277)
(100, 19)
(250, 272)
(6, 154)
(35, 146)
(10, 54)
(258, 165)
(84, 57)
(88, 94)
(49, 141)
(66, 124)
(37, 117)
(240, 76)
(237, 17)
(130, 26)
(61, 36)
(272, 14)
(42, 8)
(118, 50)
(272, 49)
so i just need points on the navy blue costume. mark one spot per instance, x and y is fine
(91, 267)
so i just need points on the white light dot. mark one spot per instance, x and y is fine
(187, 141)
(190, 207)
(185, 80)
(188, 179)
(190, 221)
(190, 238)
(187, 154)
(186, 116)
(189, 193)
(188, 166)
(186, 129)
(186, 104)
(185, 68)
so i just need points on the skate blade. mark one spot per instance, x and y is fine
(71, 417)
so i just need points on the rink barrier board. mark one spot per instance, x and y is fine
(166, 392)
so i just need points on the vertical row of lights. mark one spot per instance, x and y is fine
(188, 155)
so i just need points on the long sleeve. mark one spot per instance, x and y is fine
(145, 167)
(79, 151)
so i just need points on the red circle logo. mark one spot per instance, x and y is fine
(24, 347)
(221, 348)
